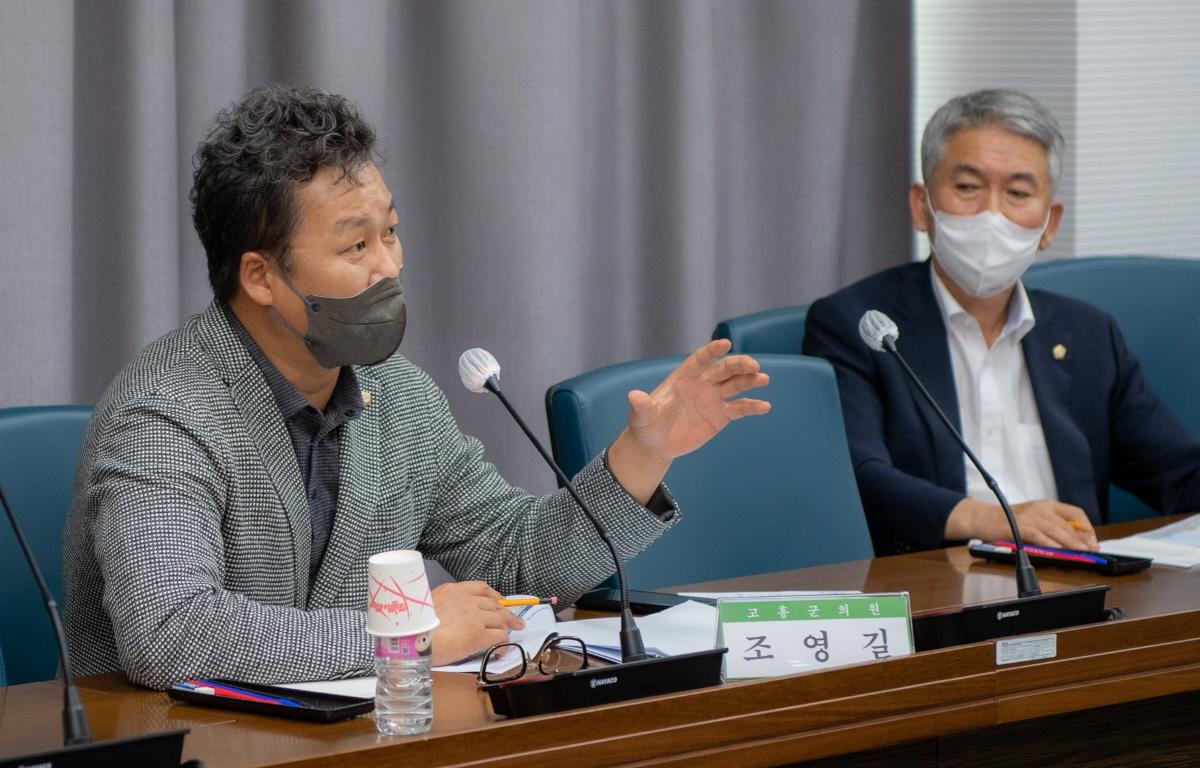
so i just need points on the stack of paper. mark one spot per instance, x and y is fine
(683, 628)
(1177, 544)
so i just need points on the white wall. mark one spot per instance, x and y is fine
(1122, 78)
(1138, 127)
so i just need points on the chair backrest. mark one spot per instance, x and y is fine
(769, 493)
(39, 447)
(773, 331)
(1156, 303)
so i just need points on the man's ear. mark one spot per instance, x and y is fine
(255, 277)
(1056, 214)
(917, 208)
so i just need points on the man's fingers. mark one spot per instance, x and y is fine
(458, 639)
(1043, 531)
(512, 620)
(490, 637)
(1041, 538)
(699, 361)
(492, 613)
(1082, 538)
(736, 385)
(639, 408)
(477, 602)
(1045, 525)
(1040, 525)
(1082, 535)
(1077, 519)
(746, 407)
(479, 588)
(1068, 537)
(734, 365)
(501, 619)
(1055, 530)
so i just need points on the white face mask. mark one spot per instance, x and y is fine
(985, 254)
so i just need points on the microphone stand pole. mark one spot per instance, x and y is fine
(1032, 611)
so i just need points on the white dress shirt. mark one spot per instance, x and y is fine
(996, 407)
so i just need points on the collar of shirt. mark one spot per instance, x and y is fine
(345, 404)
(996, 405)
(1020, 312)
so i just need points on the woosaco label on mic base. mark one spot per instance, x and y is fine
(771, 637)
(1021, 649)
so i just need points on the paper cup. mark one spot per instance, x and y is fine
(399, 601)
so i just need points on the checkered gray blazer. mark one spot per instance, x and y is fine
(186, 550)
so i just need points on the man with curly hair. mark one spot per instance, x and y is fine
(238, 474)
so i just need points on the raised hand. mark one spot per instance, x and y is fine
(685, 411)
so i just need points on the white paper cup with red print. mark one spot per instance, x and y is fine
(399, 601)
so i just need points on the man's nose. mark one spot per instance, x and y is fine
(995, 200)
(383, 265)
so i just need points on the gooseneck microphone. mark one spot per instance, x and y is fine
(638, 674)
(480, 372)
(880, 334)
(1030, 611)
(153, 750)
(75, 724)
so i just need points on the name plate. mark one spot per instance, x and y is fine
(770, 637)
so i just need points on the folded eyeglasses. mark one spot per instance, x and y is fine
(559, 653)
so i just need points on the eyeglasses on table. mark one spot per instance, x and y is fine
(558, 653)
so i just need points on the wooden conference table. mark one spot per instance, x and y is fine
(1118, 693)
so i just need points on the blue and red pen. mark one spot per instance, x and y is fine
(1055, 554)
(225, 690)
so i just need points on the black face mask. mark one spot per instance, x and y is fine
(364, 329)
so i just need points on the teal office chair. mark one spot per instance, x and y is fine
(769, 493)
(38, 450)
(1156, 303)
(773, 331)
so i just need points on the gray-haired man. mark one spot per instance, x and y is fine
(1042, 386)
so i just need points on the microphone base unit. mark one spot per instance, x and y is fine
(155, 750)
(1004, 618)
(607, 685)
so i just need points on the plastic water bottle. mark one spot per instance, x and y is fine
(404, 690)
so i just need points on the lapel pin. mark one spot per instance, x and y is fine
(366, 397)
(1059, 352)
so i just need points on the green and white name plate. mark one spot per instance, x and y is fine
(769, 637)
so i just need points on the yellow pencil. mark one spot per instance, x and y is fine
(512, 602)
(1077, 525)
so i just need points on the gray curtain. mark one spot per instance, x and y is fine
(579, 183)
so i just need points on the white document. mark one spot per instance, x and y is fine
(539, 622)
(1161, 552)
(683, 628)
(1185, 532)
(1177, 544)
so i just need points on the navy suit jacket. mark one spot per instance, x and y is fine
(1103, 423)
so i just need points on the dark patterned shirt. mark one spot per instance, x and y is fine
(315, 435)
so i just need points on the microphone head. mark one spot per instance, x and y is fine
(874, 327)
(475, 367)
